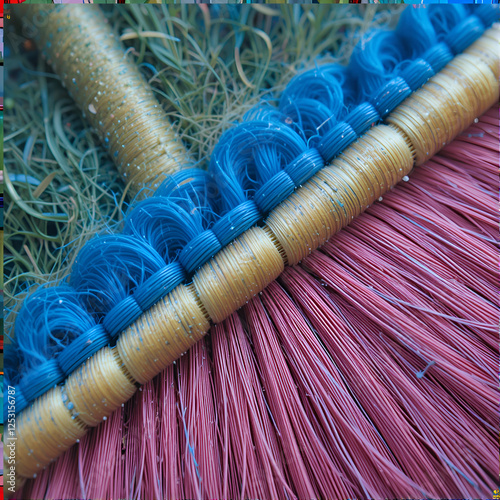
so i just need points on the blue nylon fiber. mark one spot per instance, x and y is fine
(416, 73)
(362, 117)
(80, 349)
(445, 20)
(312, 117)
(12, 376)
(266, 112)
(486, 13)
(317, 85)
(236, 221)
(272, 192)
(342, 75)
(192, 184)
(416, 45)
(121, 315)
(304, 166)
(463, 35)
(375, 60)
(336, 140)
(324, 91)
(257, 163)
(250, 154)
(200, 249)
(164, 224)
(38, 381)
(158, 285)
(438, 56)
(390, 95)
(49, 319)
(112, 266)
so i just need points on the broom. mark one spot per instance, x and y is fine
(351, 477)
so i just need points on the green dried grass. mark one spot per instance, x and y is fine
(229, 58)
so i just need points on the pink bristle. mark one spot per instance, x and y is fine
(200, 459)
(141, 444)
(422, 343)
(313, 473)
(386, 388)
(99, 455)
(351, 440)
(252, 464)
(169, 456)
(429, 296)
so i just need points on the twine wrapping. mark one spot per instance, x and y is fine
(111, 93)
(98, 387)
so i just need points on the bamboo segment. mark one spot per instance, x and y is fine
(338, 193)
(98, 387)
(111, 93)
(163, 334)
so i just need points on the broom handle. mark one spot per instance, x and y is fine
(111, 93)
(416, 130)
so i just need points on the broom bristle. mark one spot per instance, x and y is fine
(369, 370)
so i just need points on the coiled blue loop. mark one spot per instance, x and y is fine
(362, 117)
(158, 285)
(121, 316)
(465, 33)
(391, 95)
(438, 56)
(487, 13)
(417, 73)
(248, 155)
(336, 140)
(305, 166)
(39, 380)
(310, 116)
(317, 84)
(184, 183)
(84, 346)
(274, 191)
(236, 222)
(282, 184)
(443, 20)
(199, 250)
(111, 267)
